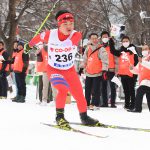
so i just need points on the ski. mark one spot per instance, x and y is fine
(73, 130)
(113, 127)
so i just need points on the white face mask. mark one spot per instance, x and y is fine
(105, 40)
(145, 53)
(126, 44)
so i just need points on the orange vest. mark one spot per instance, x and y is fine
(13, 55)
(111, 58)
(18, 62)
(94, 64)
(42, 66)
(125, 60)
(144, 73)
(7, 67)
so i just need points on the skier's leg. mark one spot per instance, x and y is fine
(77, 92)
(58, 82)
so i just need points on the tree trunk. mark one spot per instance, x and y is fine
(12, 26)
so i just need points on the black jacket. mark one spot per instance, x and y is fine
(4, 63)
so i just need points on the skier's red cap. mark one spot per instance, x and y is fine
(64, 18)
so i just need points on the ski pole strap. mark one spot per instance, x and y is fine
(54, 6)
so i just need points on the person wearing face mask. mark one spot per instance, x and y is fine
(126, 58)
(143, 71)
(108, 74)
(93, 59)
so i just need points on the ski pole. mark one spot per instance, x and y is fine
(48, 15)
(39, 29)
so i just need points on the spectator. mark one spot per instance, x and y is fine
(4, 68)
(126, 58)
(41, 67)
(94, 56)
(108, 74)
(15, 49)
(143, 71)
(21, 63)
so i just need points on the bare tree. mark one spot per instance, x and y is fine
(10, 19)
(139, 31)
(90, 16)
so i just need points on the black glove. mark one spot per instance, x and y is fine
(105, 75)
(27, 48)
(80, 71)
(111, 42)
(24, 70)
(39, 57)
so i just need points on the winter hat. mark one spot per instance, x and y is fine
(64, 15)
(21, 43)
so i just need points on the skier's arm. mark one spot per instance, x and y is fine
(43, 37)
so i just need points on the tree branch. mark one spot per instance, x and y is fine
(2, 34)
(28, 3)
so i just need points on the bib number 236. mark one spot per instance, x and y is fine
(64, 57)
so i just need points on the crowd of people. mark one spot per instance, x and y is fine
(18, 64)
(101, 63)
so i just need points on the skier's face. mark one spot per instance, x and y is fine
(67, 27)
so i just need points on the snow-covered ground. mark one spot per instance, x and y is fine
(21, 128)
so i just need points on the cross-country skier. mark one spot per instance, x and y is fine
(62, 47)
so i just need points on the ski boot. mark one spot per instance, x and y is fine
(62, 123)
(88, 121)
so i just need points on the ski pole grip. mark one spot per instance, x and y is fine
(27, 48)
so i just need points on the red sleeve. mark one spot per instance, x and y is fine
(76, 38)
(42, 37)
